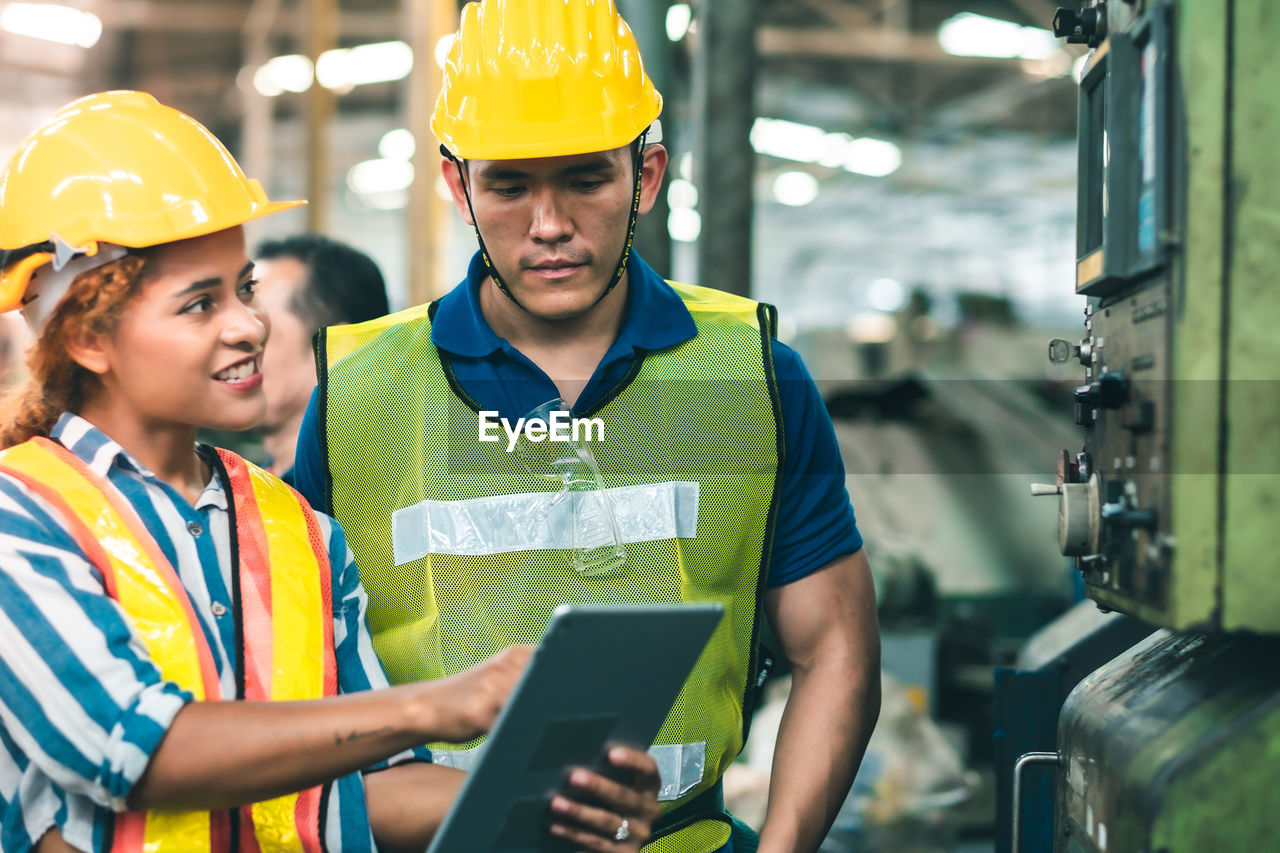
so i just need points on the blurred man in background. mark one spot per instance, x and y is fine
(305, 282)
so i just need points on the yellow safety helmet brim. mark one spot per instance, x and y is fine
(542, 78)
(119, 167)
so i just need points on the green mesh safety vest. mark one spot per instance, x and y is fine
(458, 549)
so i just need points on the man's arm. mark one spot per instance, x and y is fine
(408, 802)
(826, 624)
(308, 459)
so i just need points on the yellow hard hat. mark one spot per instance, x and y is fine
(542, 78)
(117, 168)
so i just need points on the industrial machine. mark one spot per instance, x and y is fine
(1171, 507)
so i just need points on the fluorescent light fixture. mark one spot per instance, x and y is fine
(397, 145)
(443, 46)
(803, 143)
(379, 62)
(886, 294)
(289, 73)
(682, 194)
(51, 22)
(679, 17)
(795, 189)
(684, 224)
(788, 140)
(380, 176)
(967, 34)
(874, 157)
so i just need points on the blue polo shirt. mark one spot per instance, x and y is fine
(815, 522)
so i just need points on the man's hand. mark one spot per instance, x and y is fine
(464, 706)
(603, 815)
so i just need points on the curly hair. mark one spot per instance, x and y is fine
(57, 383)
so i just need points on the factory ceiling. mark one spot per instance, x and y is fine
(878, 63)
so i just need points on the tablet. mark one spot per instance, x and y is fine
(600, 676)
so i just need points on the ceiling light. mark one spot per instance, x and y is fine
(397, 144)
(789, 140)
(50, 22)
(684, 166)
(679, 17)
(379, 62)
(682, 193)
(380, 176)
(684, 224)
(795, 189)
(967, 34)
(290, 73)
(886, 294)
(874, 157)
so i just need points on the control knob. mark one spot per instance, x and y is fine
(1108, 391)
(1079, 515)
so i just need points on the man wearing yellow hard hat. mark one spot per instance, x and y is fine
(566, 426)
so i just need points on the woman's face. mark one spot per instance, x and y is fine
(188, 347)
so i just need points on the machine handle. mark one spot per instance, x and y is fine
(1015, 837)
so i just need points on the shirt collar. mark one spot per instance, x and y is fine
(100, 454)
(655, 317)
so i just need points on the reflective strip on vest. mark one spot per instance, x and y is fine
(401, 439)
(492, 525)
(681, 766)
(287, 616)
(272, 523)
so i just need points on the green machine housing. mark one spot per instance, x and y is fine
(1172, 507)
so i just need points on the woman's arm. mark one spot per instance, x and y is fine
(217, 755)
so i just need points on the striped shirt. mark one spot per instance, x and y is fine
(82, 706)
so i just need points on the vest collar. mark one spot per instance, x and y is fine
(655, 317)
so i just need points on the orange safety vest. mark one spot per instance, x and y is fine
(286, 615)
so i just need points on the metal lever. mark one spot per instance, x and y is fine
(1015, 837)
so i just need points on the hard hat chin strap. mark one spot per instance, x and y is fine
(637, 157)
(475, 223)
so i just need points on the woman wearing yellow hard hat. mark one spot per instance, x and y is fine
(184, 659)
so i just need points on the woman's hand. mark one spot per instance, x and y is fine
(603, 815)
(466, 705)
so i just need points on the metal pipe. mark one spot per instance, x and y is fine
(1015, 836)
(648, 21)
(321, 106)
(724, 165)
(429, 216)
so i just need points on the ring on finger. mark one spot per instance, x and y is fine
(624, 831)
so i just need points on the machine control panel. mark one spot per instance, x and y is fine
(1114, 502)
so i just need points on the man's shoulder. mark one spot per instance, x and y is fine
(343, 340)
(696, 297)
(414, 314)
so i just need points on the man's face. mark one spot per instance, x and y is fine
(288, 368)
(555, 226)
